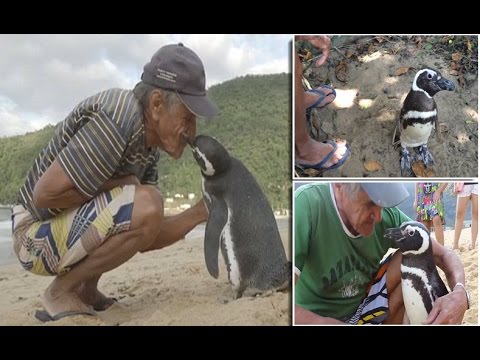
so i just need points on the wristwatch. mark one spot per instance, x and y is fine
(466, 293)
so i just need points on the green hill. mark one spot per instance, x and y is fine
(254, 126)
(17, 154)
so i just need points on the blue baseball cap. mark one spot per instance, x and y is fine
(386, 194)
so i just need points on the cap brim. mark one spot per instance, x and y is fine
(386, 194)
(201, 106)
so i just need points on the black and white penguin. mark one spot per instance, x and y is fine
(421, 283)
(240, 222)
(419, 116)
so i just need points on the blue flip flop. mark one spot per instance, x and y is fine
(320, 166)
(44, 316)
(322, 96)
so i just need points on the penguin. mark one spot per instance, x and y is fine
(421, 283)
(240, 222)
(419, 116)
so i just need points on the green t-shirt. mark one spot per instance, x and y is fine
(335, 266)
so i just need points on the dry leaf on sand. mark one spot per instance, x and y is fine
(421, 171)
(372, 165)
(402, 70)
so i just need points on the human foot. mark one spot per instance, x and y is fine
(322, 154)
(319, 97)
(59, 302)
(95, 298)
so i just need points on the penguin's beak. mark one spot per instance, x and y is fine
(394, 234)
(445, 84)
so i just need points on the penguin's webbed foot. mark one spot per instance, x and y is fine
(405, 163)
(425, 156)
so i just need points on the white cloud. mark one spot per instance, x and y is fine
(45, 76)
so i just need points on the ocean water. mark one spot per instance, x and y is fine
(5, 225)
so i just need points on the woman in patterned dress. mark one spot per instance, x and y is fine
(428, 205)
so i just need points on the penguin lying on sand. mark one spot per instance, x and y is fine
(421, 283)
(240, 222)
(419, 116)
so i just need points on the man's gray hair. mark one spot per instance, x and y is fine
(143, 90)
(352, 189)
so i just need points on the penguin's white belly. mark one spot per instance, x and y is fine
(414, 305)
(226, 234)
(416, 135)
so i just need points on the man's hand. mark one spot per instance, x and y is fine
(200, 209)
(321, 42)
(448, 309)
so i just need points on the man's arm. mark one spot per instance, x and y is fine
(304, 316)
(449, 309)
(55, 189)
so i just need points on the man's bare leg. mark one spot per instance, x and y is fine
(307, 150)
(90, 295)
(149, 230)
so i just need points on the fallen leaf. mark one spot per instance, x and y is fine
(306, 55)
(311, 172)
(402, 70)
(453, 72)
(372, 165)
(469, 45)
(349, 54)
(421, 171)
(341, 71)
(456, 57)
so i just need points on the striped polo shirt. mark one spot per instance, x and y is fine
(101, 139)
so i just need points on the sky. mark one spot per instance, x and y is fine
(43, 77)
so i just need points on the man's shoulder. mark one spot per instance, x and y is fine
(112, 94)
(393, 217)
(312, 189)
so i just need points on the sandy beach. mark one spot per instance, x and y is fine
(165, 287)
(172, 287)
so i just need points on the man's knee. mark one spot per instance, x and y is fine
(147, 208)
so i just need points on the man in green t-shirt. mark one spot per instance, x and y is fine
(342, 273)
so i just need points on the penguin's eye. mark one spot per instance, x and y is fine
(429, 76)
(411, 232)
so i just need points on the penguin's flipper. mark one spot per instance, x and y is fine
(217, 218)
(438, 287)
